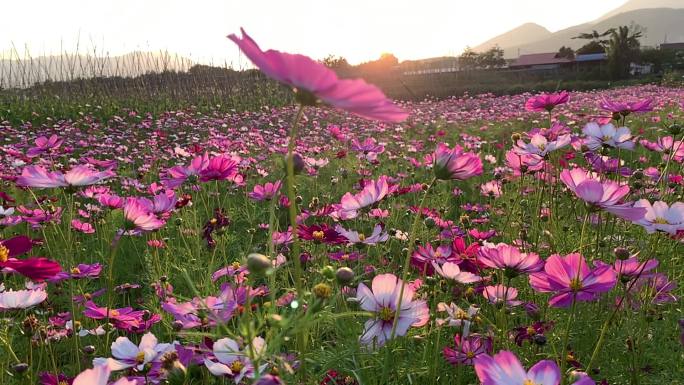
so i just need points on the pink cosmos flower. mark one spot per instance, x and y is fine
(522, 163)
(607, 195)
(426, 256)
(546, 102)
(235, 362)
(127, 355)
(21, 299)
(305, 74)
(501, 294)
(571, 279)
(505, 369)
(607, 135)
(99, 375)
(43, 145)
(491, 189)
(540, 145)
(453, 163)
(467, 348)
(354, 237)
(372, 193)
(176, 176)
(82, 227)
(383, 301)
(451, 271)
(661, 217)
(503, 256)
(266, 192)
(139, 218)
(39, 177)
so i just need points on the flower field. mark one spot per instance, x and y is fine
(518, 240)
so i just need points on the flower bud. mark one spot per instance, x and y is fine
(258, 263)
(344, 275)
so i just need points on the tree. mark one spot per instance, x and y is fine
(492, 58)
(591, 47)
(597, 41)
(566, 52)
(623, 49)
(335, 62)
(595, 36)
(469, 59)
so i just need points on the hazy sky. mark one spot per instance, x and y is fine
(356, 29)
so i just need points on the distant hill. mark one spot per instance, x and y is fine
(660, 24)
(525, 34)
(24, 72)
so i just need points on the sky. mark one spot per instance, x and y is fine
(359, 30)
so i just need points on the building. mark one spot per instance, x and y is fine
(672, 46)
(540, 62)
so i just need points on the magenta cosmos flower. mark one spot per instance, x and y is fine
(221, 168)
(43, 145)
(500, 294)
(546, 102)
(383, 301)
(37, 269)
(607, 195)
(506, 257)
(453, 163)
(266, 192)
(570, 278)
(304, 74)
(505, 369)
(467, 348)
(39, 177)
(626, 108)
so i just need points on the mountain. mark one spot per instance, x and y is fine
(634, 5)
(526, 33)
(661, 24)
(24, 72)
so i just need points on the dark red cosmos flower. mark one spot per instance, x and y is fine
(52, 379)
(36, 269)
(530, 332)
(320, 234)
(333, 377)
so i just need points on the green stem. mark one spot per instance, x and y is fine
(405, 272)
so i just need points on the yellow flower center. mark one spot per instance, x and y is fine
(661, 221)
(576, 284)
(4, 253)
(386, 314)
(531, 331)
(75, 270)
(236, 265)
(362, 237)
(318, 235)
(470, 355)
(62, 383)
(113, 313)
(460, 314)
(344, 257)
(213, 221)
(236, 366)
(529, 382)
(606, 138)
(140, 357)
(438, 254)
